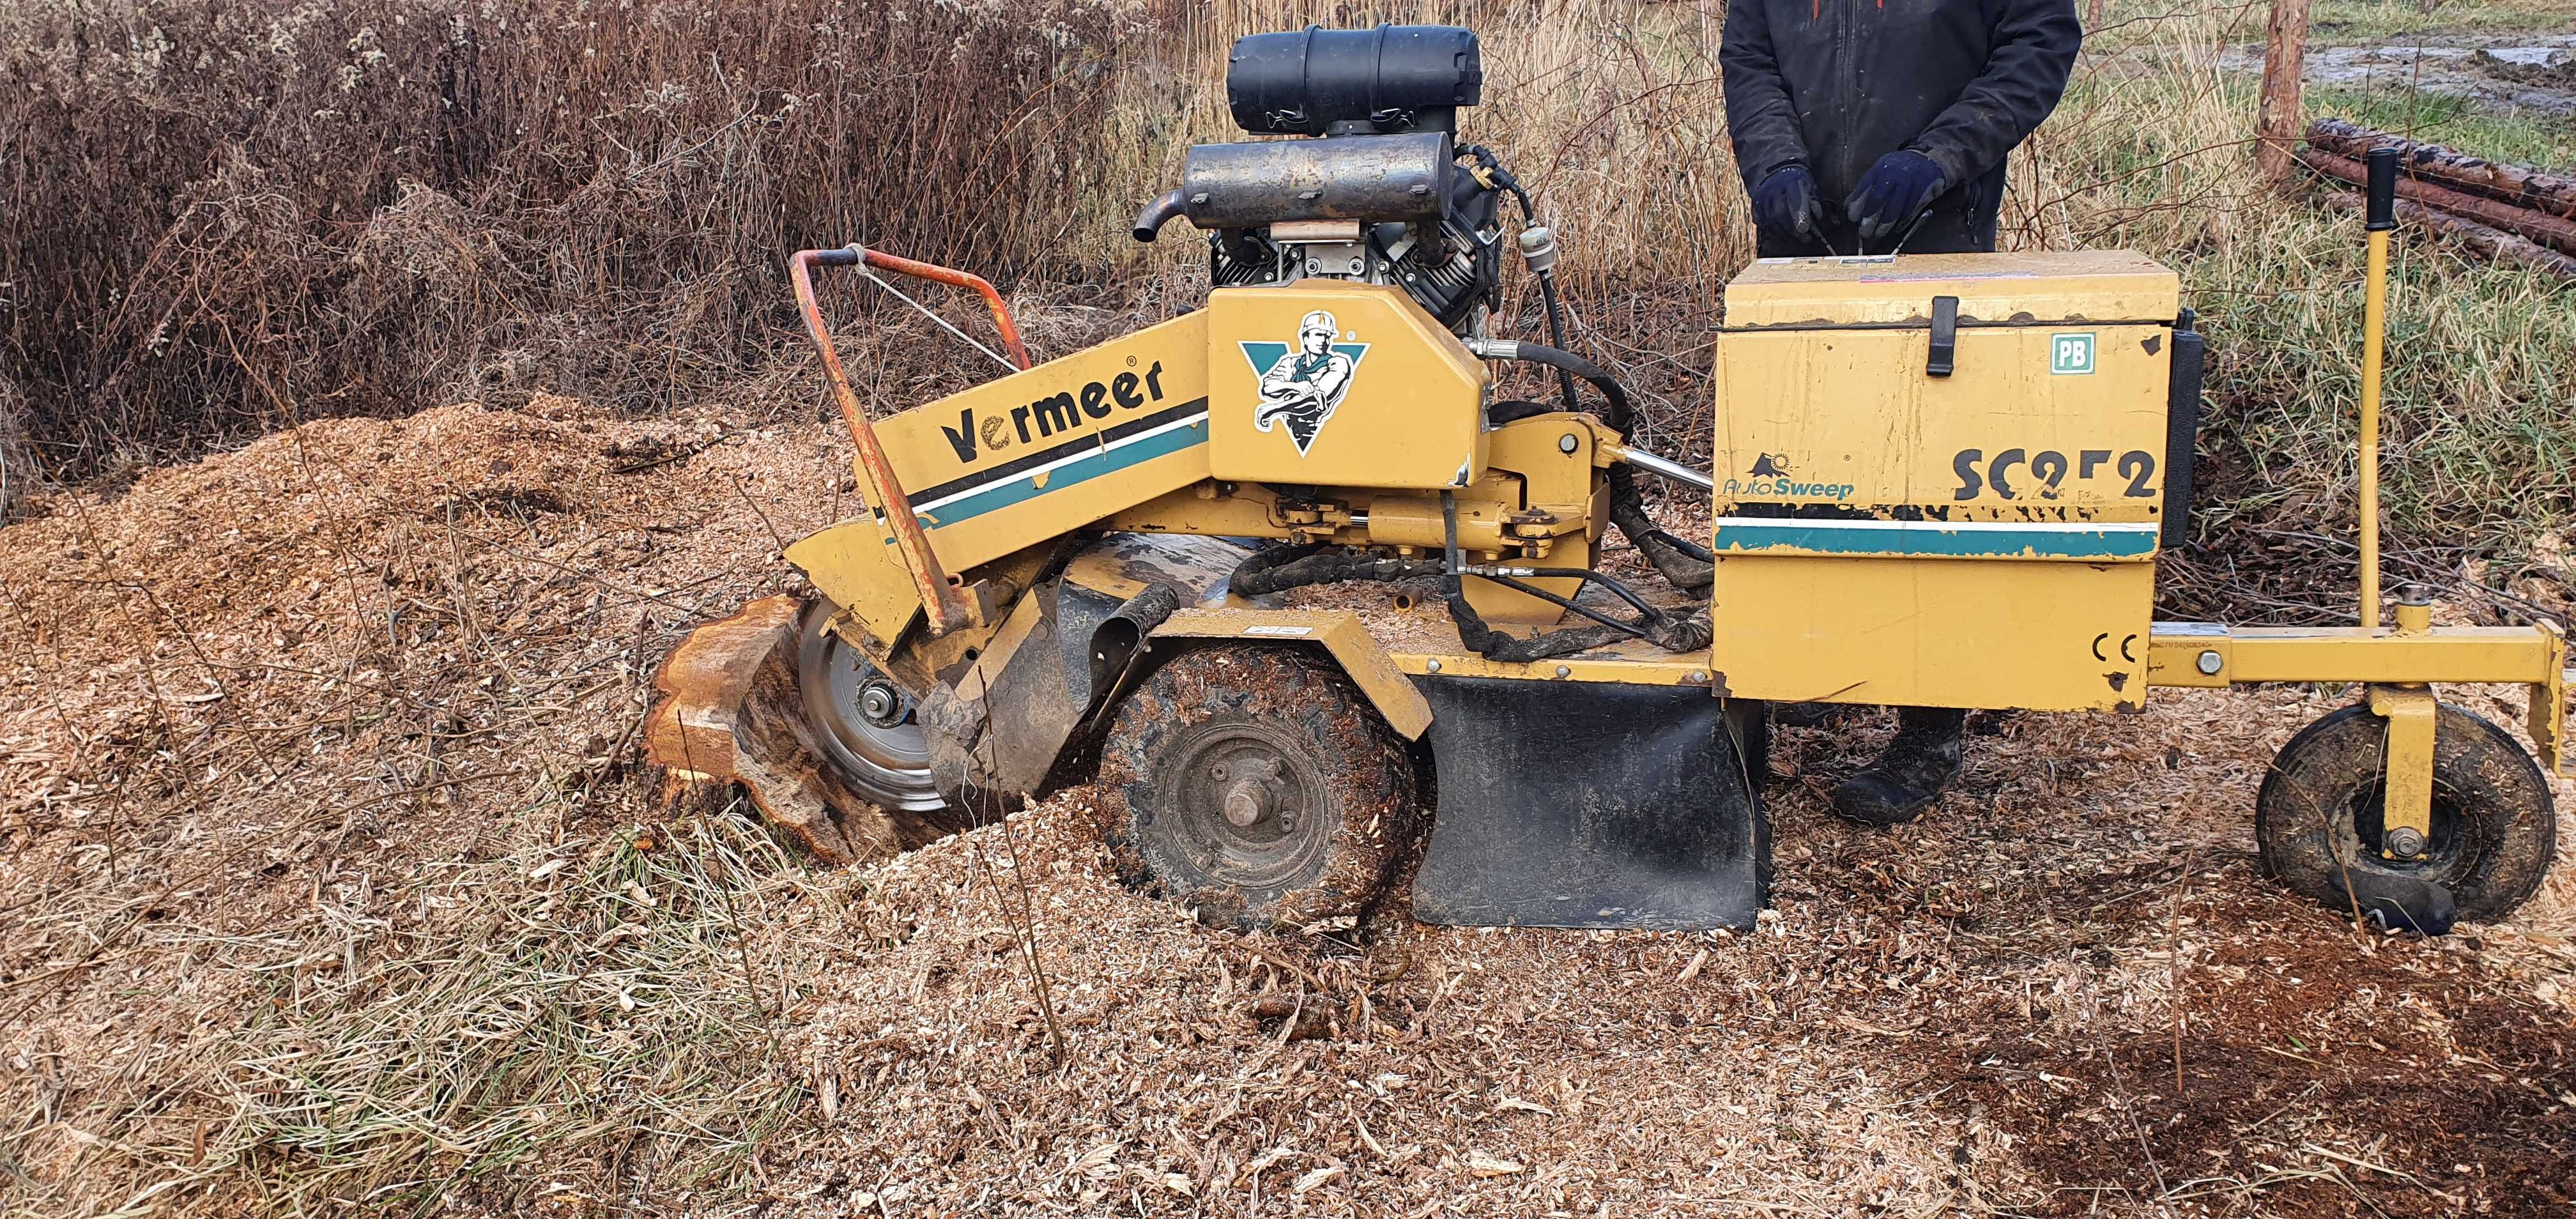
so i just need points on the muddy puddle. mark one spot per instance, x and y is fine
(2535, 72)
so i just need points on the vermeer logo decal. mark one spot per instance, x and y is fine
(1060, 412)
(1301, 384)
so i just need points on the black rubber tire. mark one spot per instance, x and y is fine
(1348, 789)
(2495, 828)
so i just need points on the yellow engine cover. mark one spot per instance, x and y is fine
(1338, 384)
(1887, 532)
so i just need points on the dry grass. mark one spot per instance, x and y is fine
(432, 202)
(294, 739)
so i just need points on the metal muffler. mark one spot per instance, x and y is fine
(1373, 179)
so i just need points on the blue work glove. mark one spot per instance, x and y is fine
(1893, 192)
(1785, 202)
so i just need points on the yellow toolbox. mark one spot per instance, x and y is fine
(1941, 479)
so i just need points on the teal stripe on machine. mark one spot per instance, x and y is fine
(1936, 539)
(1081, 469)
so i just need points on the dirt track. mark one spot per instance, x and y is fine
(329, 881)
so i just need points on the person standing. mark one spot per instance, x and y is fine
(1853, 120)
(1878, 126)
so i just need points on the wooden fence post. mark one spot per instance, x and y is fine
(2278, 123)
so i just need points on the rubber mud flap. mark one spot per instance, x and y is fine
(1588, 804)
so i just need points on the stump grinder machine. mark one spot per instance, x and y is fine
(1318, 611)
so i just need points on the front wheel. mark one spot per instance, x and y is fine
(1258, 785)
(2321, 811)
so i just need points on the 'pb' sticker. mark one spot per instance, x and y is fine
(2070, 353)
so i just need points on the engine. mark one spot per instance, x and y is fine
(1378, 195)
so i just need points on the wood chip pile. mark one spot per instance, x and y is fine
(329, 884)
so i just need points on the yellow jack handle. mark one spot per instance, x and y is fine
(2382, 213)
(2409, 710)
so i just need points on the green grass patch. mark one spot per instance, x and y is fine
(2355, 20)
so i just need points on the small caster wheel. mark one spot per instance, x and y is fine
(1258, 785)
(2494, 828)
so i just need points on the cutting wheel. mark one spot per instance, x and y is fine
(865, 722)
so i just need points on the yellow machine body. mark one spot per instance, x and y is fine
(1345, 385)
(1940, 479)
(1984, 538)
(1348, 392)
(1045, 451)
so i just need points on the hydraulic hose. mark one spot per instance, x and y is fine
(1556, 331)
(1284, 567)
(1673, 633)
(1620, 414)
(1688, 567)
(1541, 264)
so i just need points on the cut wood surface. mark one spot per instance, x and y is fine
(2553, 231)
(730, 712)
(2520, 185)
(2501, 246)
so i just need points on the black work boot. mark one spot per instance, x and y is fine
(1910, 773)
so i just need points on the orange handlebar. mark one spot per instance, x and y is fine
(941, 602)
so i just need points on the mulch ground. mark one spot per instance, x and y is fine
(330, 882)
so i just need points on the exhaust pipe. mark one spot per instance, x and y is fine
(1165, 206)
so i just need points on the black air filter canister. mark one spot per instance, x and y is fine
(1373, 178)
(1339, 82)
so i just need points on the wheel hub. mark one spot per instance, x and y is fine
(863, 721)
(1249, 798)
(882, 705)
(2403, 849)
(1244, 807)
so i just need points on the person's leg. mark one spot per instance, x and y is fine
(1923, 758)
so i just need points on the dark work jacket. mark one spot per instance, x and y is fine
(1840, 83)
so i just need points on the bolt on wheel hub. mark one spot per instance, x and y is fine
(881, 705)
(1239, 803)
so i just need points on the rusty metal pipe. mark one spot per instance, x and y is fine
(1165, 206)
(941, 603)
(937, 274)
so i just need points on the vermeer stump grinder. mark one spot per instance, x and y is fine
(1942, 481)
